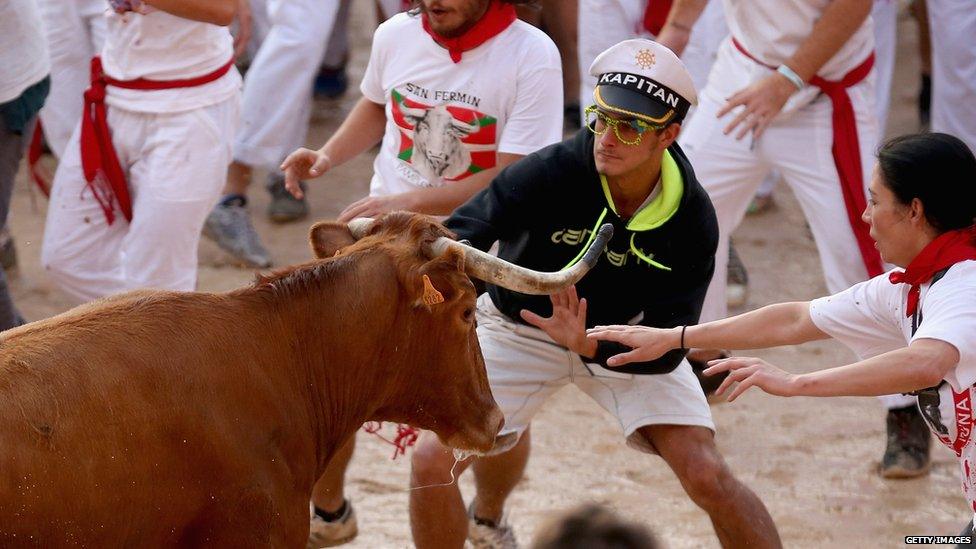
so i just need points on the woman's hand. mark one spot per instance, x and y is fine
(647, 343)
(749, 372)
(762, 101)
(303, 164)
(567, 325)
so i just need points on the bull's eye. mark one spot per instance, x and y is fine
(468, 314)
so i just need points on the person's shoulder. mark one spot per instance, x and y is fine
(532, 46)
(395, 27)
(543, 166)
(958, 281)
(695, 200)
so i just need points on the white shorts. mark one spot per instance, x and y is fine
(526, 367)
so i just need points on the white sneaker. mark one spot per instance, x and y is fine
(329, 534)
(483, 536)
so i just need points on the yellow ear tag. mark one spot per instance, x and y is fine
(431, 295)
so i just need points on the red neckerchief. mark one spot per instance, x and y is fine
(656, 15)
(946, 250)
(496, 19)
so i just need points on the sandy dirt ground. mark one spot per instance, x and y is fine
(812, 461)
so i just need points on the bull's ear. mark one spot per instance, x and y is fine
(328, 237)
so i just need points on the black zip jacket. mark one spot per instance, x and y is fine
(542, 211)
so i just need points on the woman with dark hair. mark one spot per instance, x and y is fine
(921, 212)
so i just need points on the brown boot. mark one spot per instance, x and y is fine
(909, 441)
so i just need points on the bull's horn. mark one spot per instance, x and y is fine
(413, 111)
(508, 275)
(360, 226)
(469, 127)
(491, 269)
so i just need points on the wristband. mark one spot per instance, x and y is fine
(683, 337)
(791, 75)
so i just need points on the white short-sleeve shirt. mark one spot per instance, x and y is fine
(446, 121)
(160, 46)
(870, 319)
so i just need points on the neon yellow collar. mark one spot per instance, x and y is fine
(664, 205)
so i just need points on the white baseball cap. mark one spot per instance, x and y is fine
(643, 79)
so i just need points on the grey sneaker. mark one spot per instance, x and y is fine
(483, 534)
(323, 533)
(737, 288)
(284, 207)
(909, 440)
(229, 226)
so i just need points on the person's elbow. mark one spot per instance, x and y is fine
(936, 359)
(222, 13)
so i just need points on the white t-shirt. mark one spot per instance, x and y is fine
(445, 121)
(772, 31)
(869, 318)
(160, 46)
(23, 51)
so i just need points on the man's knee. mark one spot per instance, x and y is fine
(692, 454)
(432, 462)
(706, 478)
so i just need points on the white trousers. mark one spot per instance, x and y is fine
(75, 31)
(176, 166)
(884, 13)
(953, 31)
(278, 84)
(798, 146)
(603, 23)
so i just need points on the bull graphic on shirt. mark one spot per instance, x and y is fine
(444, 142)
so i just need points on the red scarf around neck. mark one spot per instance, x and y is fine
(496, 19)
(946, 250)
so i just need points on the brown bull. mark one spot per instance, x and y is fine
(157, 419)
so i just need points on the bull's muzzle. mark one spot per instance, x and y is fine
(494, 270)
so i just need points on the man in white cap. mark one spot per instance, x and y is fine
(625, 169)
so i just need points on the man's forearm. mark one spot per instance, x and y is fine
(446, 199)
(685, 13)
(362, 129)
(770, 326)
(217, 12)
(838, 24)
(681, 19)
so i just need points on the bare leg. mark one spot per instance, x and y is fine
(740, 519)
(238, 179)
(437, 515)
(495, 478)
(438, 518)
(329, 492)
